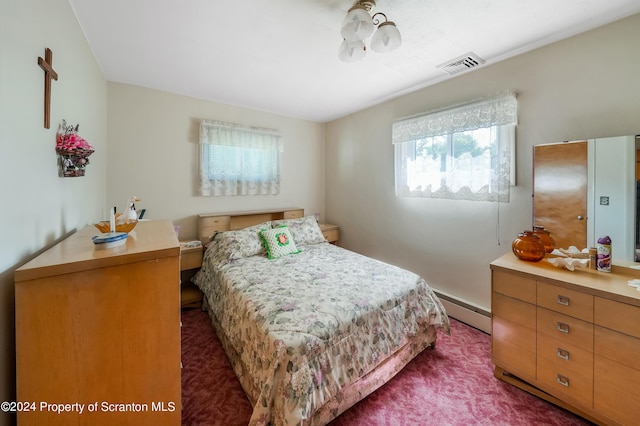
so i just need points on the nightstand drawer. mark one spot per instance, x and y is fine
(331, 232)
(331, 235)
(190, 258)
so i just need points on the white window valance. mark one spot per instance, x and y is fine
(464, 152)
(239, 160)
(230, 134)
(497, 110)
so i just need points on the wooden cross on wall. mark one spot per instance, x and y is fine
(47, 65)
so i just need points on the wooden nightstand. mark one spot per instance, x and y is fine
(330, 232)
(190, 263)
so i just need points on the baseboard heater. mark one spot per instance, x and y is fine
(466, 312)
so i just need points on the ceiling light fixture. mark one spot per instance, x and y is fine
(360, 24)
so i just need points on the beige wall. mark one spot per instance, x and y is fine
(585, 86)
(577, 88)
(153, 153)
(38, 207)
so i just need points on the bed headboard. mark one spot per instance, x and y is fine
(209, 223)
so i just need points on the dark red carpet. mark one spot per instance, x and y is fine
(451, 385)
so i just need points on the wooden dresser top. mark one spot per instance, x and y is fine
(148, 240)
(611, 285)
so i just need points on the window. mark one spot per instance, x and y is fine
(237, 160)
(462, 153)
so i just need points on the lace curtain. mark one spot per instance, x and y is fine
(464, 152)
(239, 160)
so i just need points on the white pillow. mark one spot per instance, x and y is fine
(305, 230)
(230, 245)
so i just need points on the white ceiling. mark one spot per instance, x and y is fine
(281, 56)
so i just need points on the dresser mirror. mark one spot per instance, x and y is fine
(583, 190)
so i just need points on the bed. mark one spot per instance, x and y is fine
(310, 328)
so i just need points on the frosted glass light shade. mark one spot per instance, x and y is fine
(386, 38)
(357, 25)
(351, 51)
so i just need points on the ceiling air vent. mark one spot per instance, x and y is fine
(462, 63)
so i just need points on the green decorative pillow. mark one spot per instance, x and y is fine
(278, 242)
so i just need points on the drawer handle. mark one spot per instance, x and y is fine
(563, 328)
(562, 300)
(564, 381)
(561, 353)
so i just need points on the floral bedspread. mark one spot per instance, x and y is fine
(308, 324)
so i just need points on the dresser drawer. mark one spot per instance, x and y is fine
(616, 390)
(565, 383)
(565, 355)
(565, 328)
(565, 301)
(513, 332)
(513, 347)
(617, 316)
(514, 310)
(514, 286)
(617, 347)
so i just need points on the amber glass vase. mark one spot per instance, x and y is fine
(545, 237)
(528, 246)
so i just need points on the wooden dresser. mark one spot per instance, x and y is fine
(99, 330)
(570, 337)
